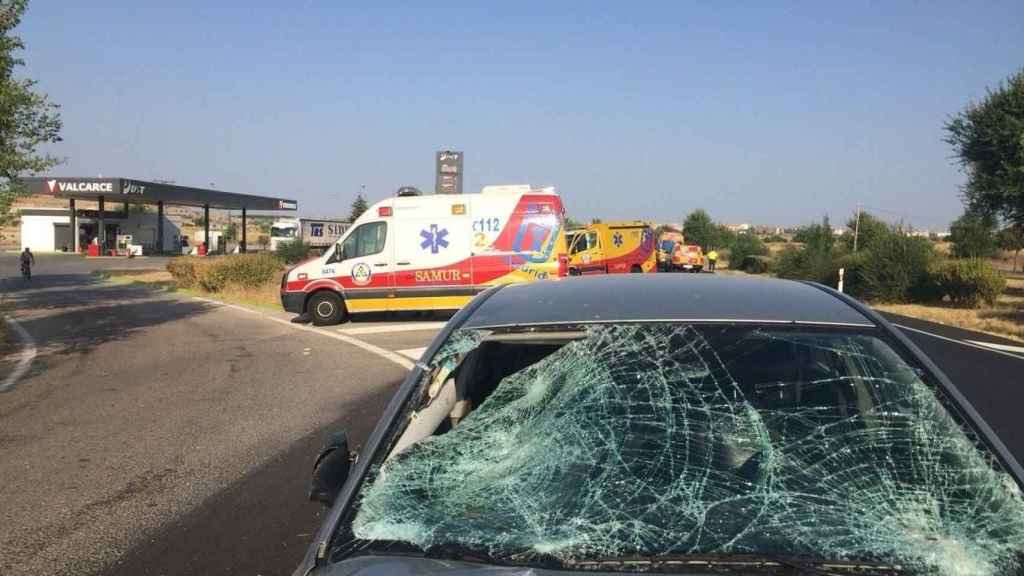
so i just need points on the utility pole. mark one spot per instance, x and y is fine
(856, 229)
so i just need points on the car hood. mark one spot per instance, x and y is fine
(413, 566)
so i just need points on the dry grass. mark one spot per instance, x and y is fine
(1005, 319)
(266, 296)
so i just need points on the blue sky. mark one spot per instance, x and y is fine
(759, 112)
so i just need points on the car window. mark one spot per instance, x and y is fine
(366, 240)
(669, 439)
(579, 243)
(592, 241)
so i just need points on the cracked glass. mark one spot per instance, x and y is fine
(656, 440)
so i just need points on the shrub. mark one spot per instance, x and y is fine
(183, 270)
(895, 270)
(294, 251)
(238, 270)
(805, 264)
(968, 282)
(852, 264)
(756, 264)
(745, 245)
(776, 239)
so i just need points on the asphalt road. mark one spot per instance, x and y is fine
(162, 435)
(992, 379)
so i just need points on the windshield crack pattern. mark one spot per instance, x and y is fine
(639, 440)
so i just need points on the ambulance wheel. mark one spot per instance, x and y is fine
(574, 272)
(325, 309)
(636, 269)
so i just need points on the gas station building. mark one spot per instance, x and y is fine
(74, 228)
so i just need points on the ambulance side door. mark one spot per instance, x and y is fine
(364, 264)
(592, 258)
(432, 255)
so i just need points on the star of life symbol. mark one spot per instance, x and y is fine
(434, 239)
(617, 239)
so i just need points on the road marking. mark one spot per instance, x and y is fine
(26, 355)
(386, 354)
(384, 329)
(963, 342)
(414, 353)
(1003, 347)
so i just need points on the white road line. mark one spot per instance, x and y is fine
(28, 352)
(387, 328)
(414, 353)
(1003, 347)
(386, 354)
(963, 342)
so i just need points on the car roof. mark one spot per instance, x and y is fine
(652, 297)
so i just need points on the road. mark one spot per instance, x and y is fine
(158, 435)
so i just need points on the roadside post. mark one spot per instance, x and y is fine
(841, 271)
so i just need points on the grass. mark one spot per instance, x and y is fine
(266, 296)
(1005, 319)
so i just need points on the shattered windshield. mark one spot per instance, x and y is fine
(668, 439)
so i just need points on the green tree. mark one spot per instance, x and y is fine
(817, 237)
(724, 238)
(572, 223)
(230, 231)
(699, 229)
(988, 142)
(973, 234)
(1011, 239)
(745, 246)
(868, 232)
(27, 119)
(359, 206)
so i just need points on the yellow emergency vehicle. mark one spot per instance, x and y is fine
(613, 248)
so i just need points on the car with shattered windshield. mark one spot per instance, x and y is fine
(671, 424)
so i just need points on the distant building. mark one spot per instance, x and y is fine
(764, 230)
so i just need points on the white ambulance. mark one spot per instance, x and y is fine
(432, 253)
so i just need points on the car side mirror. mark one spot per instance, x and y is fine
(335, 256)
(331, 469)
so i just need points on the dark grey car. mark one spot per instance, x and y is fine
(665, 423)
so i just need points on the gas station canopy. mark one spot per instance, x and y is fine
(145, 192)
(130, 191)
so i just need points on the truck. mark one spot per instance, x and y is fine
(674, 254)
(436, 252)
(613, 248)
(319, 233)
(669, 244)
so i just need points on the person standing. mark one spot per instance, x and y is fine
(27, 260)
(712, 259)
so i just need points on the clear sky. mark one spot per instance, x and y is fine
(760, 112)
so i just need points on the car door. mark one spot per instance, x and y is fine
(591, 258)
(364, 262)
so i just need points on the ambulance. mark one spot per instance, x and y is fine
(416, 252)
(613, 248)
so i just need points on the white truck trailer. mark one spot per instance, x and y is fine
(320, 233)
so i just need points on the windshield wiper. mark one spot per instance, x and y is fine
(790, 566)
